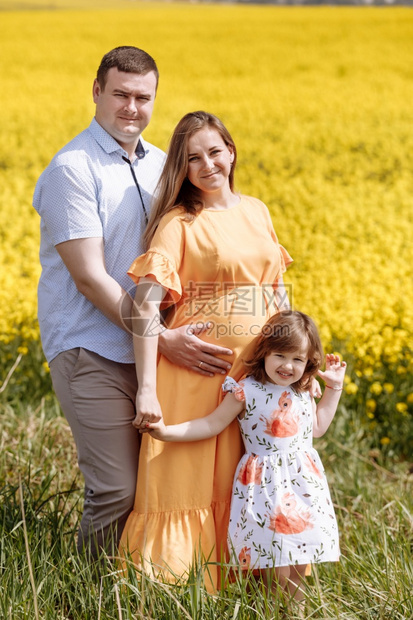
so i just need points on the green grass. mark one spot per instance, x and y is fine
(43, 576)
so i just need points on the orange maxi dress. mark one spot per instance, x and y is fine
(218, 268)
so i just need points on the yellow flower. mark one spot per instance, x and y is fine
(376, 388)
(401, 407)
(409, 398)
(371, 407)
(22, 350)
(45, 367)
(385, 441)
(374, 328)
(351, 388)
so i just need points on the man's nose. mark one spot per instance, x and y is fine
(131, 104)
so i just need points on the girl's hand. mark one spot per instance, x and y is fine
(157, 430)
(148, 410)
(333, 375)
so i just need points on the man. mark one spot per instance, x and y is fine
(94, 199)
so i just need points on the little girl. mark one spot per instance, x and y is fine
(282, 516)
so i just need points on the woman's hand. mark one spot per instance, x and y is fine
(148, 410)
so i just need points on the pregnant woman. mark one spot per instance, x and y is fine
(212, 257)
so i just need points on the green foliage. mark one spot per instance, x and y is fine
(382, 401)
(372, 581)
(26, 373)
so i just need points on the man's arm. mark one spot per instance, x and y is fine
(183, 347)
(85, 261)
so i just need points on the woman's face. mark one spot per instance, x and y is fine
(209, 161)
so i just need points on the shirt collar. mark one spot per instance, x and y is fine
(109, 144)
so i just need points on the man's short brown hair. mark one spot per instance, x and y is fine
(128, 59)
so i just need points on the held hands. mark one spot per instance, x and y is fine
(148, 411)
(157, 430)
(183, 347)
(333, 375)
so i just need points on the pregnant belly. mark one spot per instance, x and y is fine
(234, 319)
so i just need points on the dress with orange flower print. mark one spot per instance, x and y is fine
(281, 510)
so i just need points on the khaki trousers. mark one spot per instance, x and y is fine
(97, 397)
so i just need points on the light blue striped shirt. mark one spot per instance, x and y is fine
(88, 190)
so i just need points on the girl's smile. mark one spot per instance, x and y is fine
(286, 367)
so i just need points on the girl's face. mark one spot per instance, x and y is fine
(286, 367)
(209, 161)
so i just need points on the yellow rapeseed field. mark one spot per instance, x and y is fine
(319, 101)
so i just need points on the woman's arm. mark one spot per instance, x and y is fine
(201, 428)
(145, 328)
(325, 410)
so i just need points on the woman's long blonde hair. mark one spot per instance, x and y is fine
(174, 189)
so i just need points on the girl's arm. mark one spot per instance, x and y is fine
(201, 428)
(145, 327)
(324, 411)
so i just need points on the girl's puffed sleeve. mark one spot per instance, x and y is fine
(230, 385)
(163, 259)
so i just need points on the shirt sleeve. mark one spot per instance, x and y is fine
(67, 201)
(164, 258)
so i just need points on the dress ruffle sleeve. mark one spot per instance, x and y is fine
(285, 258)
(235, 388)
(162, 269)
(163, 259)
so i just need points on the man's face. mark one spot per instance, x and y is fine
(124, 107)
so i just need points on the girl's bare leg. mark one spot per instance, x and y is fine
(296, 586)
(289, 579)
(276, 578)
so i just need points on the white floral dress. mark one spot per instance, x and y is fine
(281, 509)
